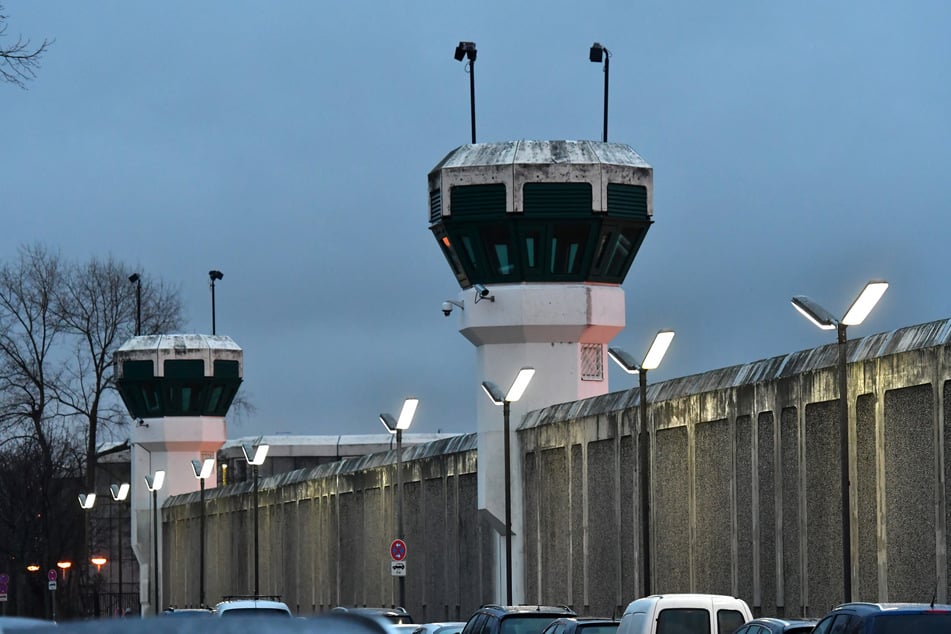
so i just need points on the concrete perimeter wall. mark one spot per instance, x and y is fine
(745, 499)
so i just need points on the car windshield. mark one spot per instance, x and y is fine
(525, 623)
(922, 623)
(598, 628)
(254, 612)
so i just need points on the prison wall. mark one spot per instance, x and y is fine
(744, 499)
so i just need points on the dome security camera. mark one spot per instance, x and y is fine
(446, 308)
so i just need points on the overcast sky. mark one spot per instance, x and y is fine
(798, 148)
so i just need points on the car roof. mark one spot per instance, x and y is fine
(503, 610)
(892, 608)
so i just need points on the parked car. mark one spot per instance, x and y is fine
(685, 613)
(254, 606)
(396, 616)
(514, 619)
(776, 625)
(187, 612)
(441, 627)
(582, 625)
(886, 618)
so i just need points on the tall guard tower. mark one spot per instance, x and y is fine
(179, 389)
(540, 236)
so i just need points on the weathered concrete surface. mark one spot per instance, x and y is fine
(745, 498)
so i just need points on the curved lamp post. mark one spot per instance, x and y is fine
(397, 426)
(655, 354)
(467, 50)
(255, 456)
(854, 316)
(154, 484)
(203, 470)
(120, 492)
(598, 53)
(522, 379)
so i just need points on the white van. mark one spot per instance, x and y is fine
(685, 614)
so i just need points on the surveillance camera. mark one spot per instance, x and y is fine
(481, 290)
(446, 308)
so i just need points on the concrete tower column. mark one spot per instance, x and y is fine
(178, 388)
(540, 235)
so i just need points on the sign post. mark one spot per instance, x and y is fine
(4, 580)
(51, 576)
(398, 554)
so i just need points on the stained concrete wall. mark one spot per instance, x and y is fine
(744, 498)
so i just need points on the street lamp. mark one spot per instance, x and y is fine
(136, 279)
(396, 426)
(468, 50)
(854, 316)
(597, 53)
(154, 484)
(87, 501)
(203, 470)
(214, 275)
(255, 457)
(655, 354)
(515, 392)
(120, 492)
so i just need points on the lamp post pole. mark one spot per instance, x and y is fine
(645, 483)
(822, 318)
(655, 354)
(396, 426)
(506, 413)
(201, 546)
(844, 463)
(154, 483)
(155, 577)
(119, 493)
(519, 385)
(255, 502)
(255, 456)
(401, 581)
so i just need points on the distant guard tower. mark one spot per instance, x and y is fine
(540, 235)
(179, 389)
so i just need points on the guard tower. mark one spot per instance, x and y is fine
(179, 389)
(540, 235)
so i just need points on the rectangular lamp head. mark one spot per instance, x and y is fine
(154, 483)
(119, 491)
(203, 468)
(814, 312)
(407, 413)
(865, 302)
(521, 382)
(255, 455)
(493, 392)
(658, 349)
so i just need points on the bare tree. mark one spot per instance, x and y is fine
(29, 328)
(97, 306)
(20, 59)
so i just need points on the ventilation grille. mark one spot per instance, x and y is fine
(435, 205)
(592, 362)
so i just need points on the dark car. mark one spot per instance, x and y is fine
(582, 625)
(775, 625)
(886, 618)
(514, 619)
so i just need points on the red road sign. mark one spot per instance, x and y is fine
(51, 575)
(398, 550)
